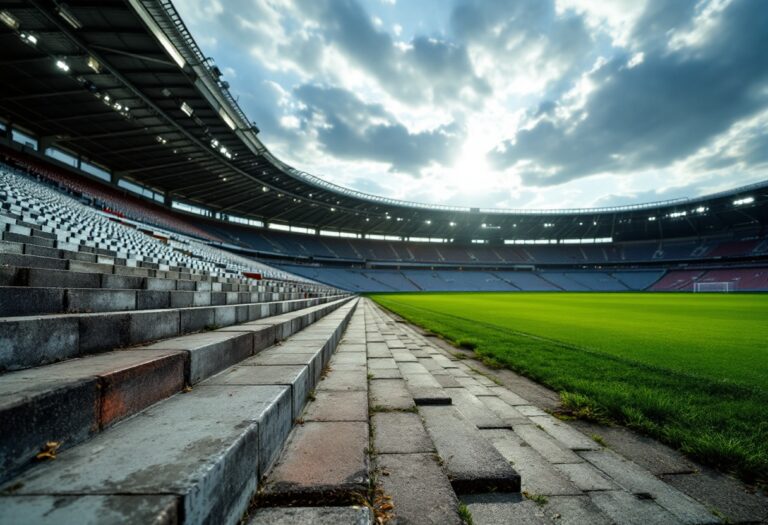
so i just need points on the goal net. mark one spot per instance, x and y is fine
(713, 287)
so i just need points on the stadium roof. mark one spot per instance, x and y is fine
(123, 84)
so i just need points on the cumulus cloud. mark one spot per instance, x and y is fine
(349, 128)
(659, 111)
(498, 103)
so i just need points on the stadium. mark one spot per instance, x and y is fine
(194, 331)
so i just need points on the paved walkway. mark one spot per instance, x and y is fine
(449, 436)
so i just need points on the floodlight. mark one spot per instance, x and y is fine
(62, 65)
(29, 38)
(745, 200)
(187, 109)
(9, 20)
(94, 65)
(68, 16)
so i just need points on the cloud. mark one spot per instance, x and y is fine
(657, 112)
(501, 103)
(349, 128)
(426, 69)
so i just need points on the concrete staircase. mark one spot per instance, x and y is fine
(144, 380)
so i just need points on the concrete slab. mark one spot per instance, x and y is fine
(634, 478)
(538, 476)
(100, 300)
(429, 396)
(474, 410)
(173, 448)
(209, 352)
(503, 411)
(357, 358)
(33, 341)
(508, 396)
(421, 493)
(499, 507)
(23, 300)
(472, 463)
(552, 450)
(88, 510)
(575, 510)
(625, 508)
(586, 476)
(297, 377)
(390, 394)
(377, 349)
(412, 368)
(381, 363)
(530, 410)
(471, 384)
(338, 406)
(386, 373)
(400, 433)
(404, 356)
(344, 380)
(325, 462)
(646, 452)
(565, 434)
(312, 516)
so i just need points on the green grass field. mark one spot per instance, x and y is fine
(689, 369)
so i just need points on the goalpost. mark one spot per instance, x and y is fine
(713, 287)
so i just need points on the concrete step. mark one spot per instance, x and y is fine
(172, 449)
(33, 256)
(35, 340)
(50, 278)
(325, 460)
(68, 402)
(25, 300)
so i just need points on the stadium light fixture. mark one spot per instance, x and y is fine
(62, 65)
(28, 38)
(187, 109)
(94, 65)
(452, 224)
(68, 16)
(745, 200)
(9, 20)
(428, 222)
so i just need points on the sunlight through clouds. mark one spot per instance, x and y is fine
(532, 103)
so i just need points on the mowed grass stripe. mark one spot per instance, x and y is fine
(722, 421)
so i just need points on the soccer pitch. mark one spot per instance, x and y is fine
(689, 369)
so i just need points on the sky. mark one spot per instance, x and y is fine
(502, 103)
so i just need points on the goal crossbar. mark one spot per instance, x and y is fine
(724, 286)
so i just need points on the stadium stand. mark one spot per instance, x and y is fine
(103, 197)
